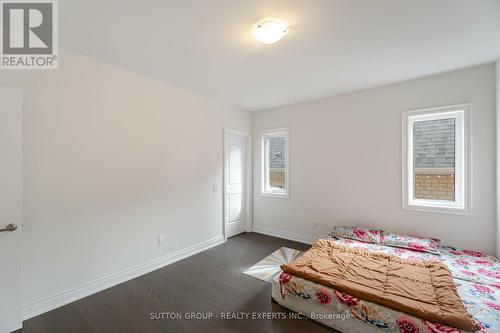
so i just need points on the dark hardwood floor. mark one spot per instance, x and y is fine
(209, 282)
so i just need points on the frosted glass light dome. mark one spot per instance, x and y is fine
(269, 30)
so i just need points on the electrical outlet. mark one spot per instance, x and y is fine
(215, 188)
(161, 239)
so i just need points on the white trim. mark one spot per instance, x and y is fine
(284, 234)
(49, 303)
(249, 178)
(263, 176)
(463, 157)
(435, 171)
(232, 131)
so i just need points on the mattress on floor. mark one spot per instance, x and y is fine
(476, 276)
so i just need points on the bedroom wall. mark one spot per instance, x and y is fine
(498, 154)
(345, 161)
(111, 160)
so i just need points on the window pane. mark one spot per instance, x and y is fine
(276, 159)
(434, 159)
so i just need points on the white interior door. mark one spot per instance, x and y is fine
(235, 161)
(10, 209)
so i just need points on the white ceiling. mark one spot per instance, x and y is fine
(333, 46)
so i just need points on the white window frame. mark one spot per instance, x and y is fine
(266, 191)
(463, 143)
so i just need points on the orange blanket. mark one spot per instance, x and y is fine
(424, 289)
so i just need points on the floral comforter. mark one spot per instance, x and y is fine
(476, 275)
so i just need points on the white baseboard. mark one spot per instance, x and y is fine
(284, 234)
(84, 290)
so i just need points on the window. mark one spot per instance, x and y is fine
(436, 161)
(275, 163)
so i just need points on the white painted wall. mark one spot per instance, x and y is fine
(498, 153)
(345, 161)
(111, 160)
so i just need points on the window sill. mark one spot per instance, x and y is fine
(274, 195)
(438, 209)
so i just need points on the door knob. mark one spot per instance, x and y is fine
(10, 227)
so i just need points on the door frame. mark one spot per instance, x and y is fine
(248, 178)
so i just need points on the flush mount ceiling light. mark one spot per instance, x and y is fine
(269, 30)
